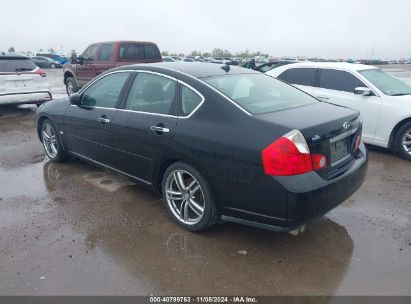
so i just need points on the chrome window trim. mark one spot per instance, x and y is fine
(343, 135)
(195, 91)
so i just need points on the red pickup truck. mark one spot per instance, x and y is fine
(102, 56)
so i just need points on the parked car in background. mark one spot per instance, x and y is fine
(188, 59)
(384, 101)
(21, 81)
(45, 62)
(298, 156)
(271, 65)
(168, 59)
(58, 58)
(102, 56)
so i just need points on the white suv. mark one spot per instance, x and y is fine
(384, 101)
(21, 81)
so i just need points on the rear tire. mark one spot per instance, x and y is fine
(51, 141)
(402, 143)
(71, 85)
(188, 198)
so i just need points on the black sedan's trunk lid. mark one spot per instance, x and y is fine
(329, 130)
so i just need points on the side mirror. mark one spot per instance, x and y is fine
(363, 91)
(80, 60)
(75, 99)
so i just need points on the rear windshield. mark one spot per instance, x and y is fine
(259, 93)
(9, 65)
(136, 51)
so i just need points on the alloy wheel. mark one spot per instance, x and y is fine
(49, 140)
(70, 88)
(406, 141)
(185, 197)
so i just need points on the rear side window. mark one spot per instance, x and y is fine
(339, 81)
(189, 100)
(151, 51)
(106, 50)
(303, 76)
(90, 54)
(151, 93)
(11, 65)
(136, 51)
(105, 91)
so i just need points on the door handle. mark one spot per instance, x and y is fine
(103, 120)
(323, 97)
(159, 129)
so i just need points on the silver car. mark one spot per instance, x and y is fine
(21, 81)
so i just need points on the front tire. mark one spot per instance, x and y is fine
(71, 86)
(51, 142)
(403, 141)
(188, 197)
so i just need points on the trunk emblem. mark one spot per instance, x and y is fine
(346, 125)
(315, 137)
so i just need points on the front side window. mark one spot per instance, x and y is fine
(339, 81)
(386, 83)
(259, 93)
(105, 91)
(106, 50)
(151, 93)
(91, 53)
(301, 76)
(189, 100)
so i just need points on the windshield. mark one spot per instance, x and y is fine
(259, 93)
(388, 84)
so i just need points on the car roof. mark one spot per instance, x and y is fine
(13, 56)
(330, 65)
(195, 69)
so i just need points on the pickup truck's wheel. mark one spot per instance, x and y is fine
(188, 197)
(403, 141)
(71, 86)
(51, 141)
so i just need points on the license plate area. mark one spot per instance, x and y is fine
(338, 150)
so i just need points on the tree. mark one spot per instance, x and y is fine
(164, 53)
(12, 50)
(51, 51)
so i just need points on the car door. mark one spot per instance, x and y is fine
(303, 78)
(104, 59)
(141, 131)
(337, 86)
(87, 126)
(86, 70)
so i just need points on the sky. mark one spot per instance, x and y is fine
(314, 28)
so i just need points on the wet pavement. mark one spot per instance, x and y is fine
(72, 229)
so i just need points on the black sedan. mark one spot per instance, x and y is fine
(218, 142)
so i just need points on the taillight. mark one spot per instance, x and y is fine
(40, 72)
(289, 155)
(357, 142)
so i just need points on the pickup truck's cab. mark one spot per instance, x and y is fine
(102, 56)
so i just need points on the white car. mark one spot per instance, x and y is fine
(21, 81)
(384, 101)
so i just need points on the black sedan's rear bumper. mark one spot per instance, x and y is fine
(301, 198)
